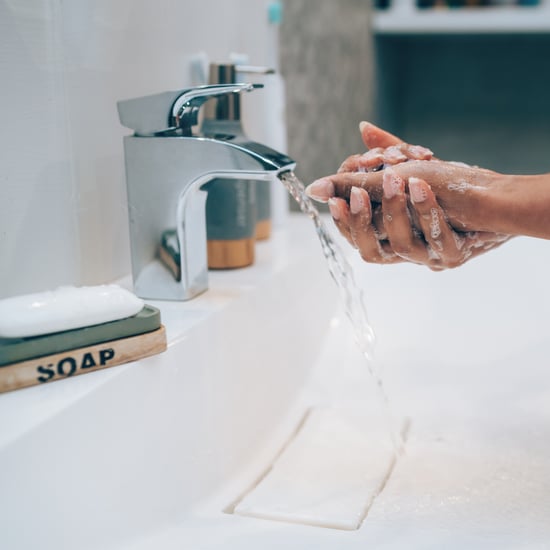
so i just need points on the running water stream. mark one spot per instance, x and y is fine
(351, 294)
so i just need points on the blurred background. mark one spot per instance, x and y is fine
(467, 78)
(470, 81)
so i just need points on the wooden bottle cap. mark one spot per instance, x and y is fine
(263, 229)
(228, 254)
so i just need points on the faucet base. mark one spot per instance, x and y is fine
(156, 282)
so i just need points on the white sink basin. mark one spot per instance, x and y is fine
(154, 454)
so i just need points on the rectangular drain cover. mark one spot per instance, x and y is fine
(329, 473)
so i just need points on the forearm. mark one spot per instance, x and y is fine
(520, 205)
(473, 199)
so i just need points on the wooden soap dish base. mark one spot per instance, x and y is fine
(49, 368)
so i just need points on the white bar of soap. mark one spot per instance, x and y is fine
(65, 308)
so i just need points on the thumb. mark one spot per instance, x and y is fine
(376, 137)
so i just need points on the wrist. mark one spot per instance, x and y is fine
(520, 205)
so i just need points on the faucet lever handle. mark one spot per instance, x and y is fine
(168, 111)
(186, 107)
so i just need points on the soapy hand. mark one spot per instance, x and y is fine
(414, 227)
(398, 203)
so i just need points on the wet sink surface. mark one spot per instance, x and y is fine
(463, 356)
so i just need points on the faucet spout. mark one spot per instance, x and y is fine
(190, 215)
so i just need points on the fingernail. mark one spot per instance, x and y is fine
(392, 184)
(417, 190)
(362, 125)
(372, 158)
(334, 209)
(320, 190)
(356, 201)
(420, 153)
(394, 155)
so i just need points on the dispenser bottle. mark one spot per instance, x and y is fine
(264, 120)
(257, 116)
(231, 203)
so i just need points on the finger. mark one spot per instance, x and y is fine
(417, 152)
(404, 152)
(321, 190)
(378, 157)
(438, 233)
(363, 232)
(350, 164)
(339, 210)
(367, 161)
(395, 154)
(378, 222)
(376, 137)
(404, 241)
(339, 185)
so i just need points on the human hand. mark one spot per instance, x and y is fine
(391, 222)
(384, 149)
(413, 228)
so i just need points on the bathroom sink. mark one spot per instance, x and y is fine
(164, 452)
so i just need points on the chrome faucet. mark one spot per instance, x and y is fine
(167, 168)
